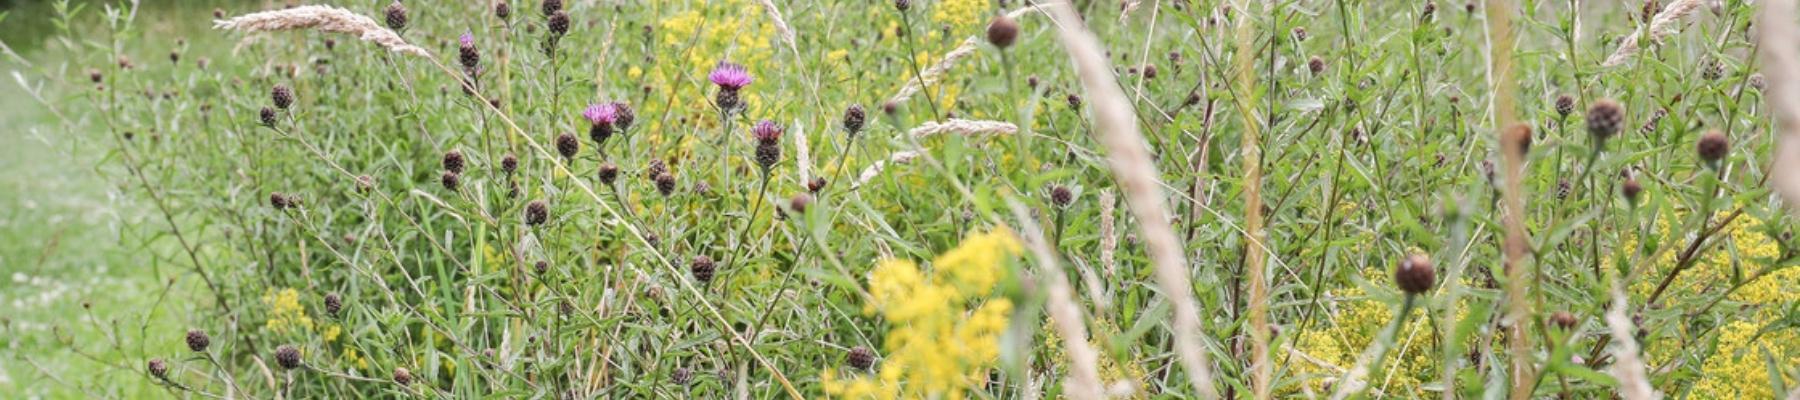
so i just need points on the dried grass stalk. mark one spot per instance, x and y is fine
(781, 25)
(321, 18)
(1781, 64)
(1634, 383)
(1116, 128)
(802, 153)
(968, 46)
(873, 170)
(1109, 236)
(963, 127)
(1663, 24)
(1064, 314)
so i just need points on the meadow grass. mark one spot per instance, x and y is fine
(893, 199)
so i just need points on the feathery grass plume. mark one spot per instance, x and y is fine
(325, 19)
(1116, 126)
(1109, 236)
(1665, 23)
(963, 127)
(1256, 260)
(1065, 315)
(781, 25)
(873, 170)
(1781, 63)
(968, 46)
(1627, 367)
(802, 153)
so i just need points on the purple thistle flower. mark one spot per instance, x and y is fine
(601, 113)
(766, 132)
(466, 52)
(467, 39)
(730, 76)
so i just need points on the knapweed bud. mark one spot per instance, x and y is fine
(768, 143)
(656, 167)
(1074, 101)
(567, 146)
(466, 52)
(902, 5)
(702, 267)
(854, 117)
(799, 203)
(1564, 105)
(158, 368)
(282, 96)
(1563, 319)
(287, 357)
(1603, 119)
(95, 76)
(1149, 71)
(536, 212)
(681, 376)
(1002, 31)
(266, 116)
(396, 16)
(451, 180)
(333, 304)
(502, 10)
(665, 184)
(402, 376)
(608, 173)
(453, 161)
(1315, 64)
(1415, 274)
(1712, 147)
(1299, 33)
(1630, 189)
(1061, 196)
(551, 7)
(623, 115)
(860, 358)
(278, 201)
(365, 183)
(197, 340)
(541, 267)
(558, 23)
(816, 184)
(509, 163)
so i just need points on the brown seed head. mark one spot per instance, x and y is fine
(1415, 274)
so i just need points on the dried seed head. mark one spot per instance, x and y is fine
(1712, 147)
(799, 203)
(1415, 274)
(395, 14)
(282, 96)
(861, 358)
(854, 116)
(665, 184)
(1564, 105)
(1563, 319)
(567, 145)
(608, 173)
(509, 163)
(402, 376)
(1002, 31)
(451, 180)
(197, 340)
(536, 212)
(333, 304)
(158, 368)
(453, 161)
(702, 267)
(287, 356)
(1603, 119)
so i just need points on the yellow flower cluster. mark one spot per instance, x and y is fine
(946, 328)
(1352, 327)
(285, 311)
(1737, 368)
(960, 15)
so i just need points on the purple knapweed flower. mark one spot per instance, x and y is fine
(466, 51)
(766, 132)
(602, 116)
(730, 76)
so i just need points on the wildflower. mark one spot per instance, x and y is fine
(567, 146)
(502, 10)
(681, 376)
(1074, 101)
(1061, 196)
(623, 116)
(451, 180)
(854, 116)
(333, 304)
(768, 143)
(287, 356)
(536, 212)
(1315, 64)
(1149, 71)
(1415, 274)
(665, 184)
(730, 78)
(1712, 147)
(94, 75)
(541, 267)
(558, 23)
(197, 340)
(266, 116)
(861, 358)
(158, 368)
(396, 15)
(509, 163)
(466, 52)
(815, 185)
(1603, 119)
(1630, 189)
(282, 96)
(959, 15)
(1299, 35)
(453, 161)
(402, 376)
(1564, 105)
(608, 173)
(1002, 31)
(902, 5)
(702, 267)
(600, 118)
(551, 7)
(657, 167)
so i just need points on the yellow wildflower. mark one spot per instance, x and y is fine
(960, 15)
(285, 311)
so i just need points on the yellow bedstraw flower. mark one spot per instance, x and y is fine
(285, 311)
(960, 15)
(946, 332)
